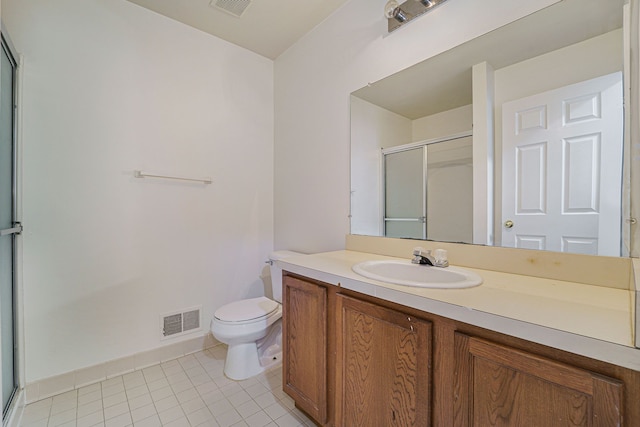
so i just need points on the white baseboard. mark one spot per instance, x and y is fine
(52, 386)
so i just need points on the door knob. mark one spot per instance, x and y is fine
(508, 224)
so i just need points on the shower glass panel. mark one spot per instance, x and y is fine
(405, 193)
(450, 190)
(7, 236)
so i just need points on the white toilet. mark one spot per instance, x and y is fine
(252, 328)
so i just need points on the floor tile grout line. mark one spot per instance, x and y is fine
(205, 367)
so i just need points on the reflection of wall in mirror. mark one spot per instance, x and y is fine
(374, 128)
(440, 125)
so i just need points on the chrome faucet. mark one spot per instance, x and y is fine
(423, 257)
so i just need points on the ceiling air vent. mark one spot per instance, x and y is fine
(234, 7)
(176, 324)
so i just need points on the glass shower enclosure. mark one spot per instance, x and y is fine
(9, 227)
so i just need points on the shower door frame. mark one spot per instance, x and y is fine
(419, 219)
(406, 147)
(14, 231)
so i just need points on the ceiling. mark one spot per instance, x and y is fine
(266, 27)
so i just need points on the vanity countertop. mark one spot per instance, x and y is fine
(593, 321)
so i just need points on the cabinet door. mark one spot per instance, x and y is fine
(384, 367)
(305, 345)
(500, 386)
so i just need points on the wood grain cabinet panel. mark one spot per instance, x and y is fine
(384, 366)
(499, 386)
(305, 345)
(352, 360)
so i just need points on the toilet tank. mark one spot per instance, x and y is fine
(276, 272)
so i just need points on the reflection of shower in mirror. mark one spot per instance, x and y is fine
(428, 190)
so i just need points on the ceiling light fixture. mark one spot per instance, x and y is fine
(400, 14)
(392, 11)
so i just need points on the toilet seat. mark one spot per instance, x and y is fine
(247, 310)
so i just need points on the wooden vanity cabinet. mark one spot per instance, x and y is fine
(352, 360)
(384, 369)
(500, 386)
(308, 313)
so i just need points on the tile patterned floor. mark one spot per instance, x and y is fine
(190, 391)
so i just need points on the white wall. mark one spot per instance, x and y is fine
(582, 61)
(372, 128)
(110, 87)
(443, 124)
(313, 80)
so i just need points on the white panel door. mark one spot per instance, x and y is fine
(562, 168)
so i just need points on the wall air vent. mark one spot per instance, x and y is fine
(191, 320)
(176, 324)
(172, 324)
(234, 7)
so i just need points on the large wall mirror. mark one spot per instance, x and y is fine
(516, 138)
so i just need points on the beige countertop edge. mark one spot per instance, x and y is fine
(592, 321)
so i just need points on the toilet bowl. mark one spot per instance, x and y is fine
(252, 328)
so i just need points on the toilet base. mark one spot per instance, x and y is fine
(246, 360)
(242, 361)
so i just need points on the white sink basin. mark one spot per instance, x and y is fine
(408, 274)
